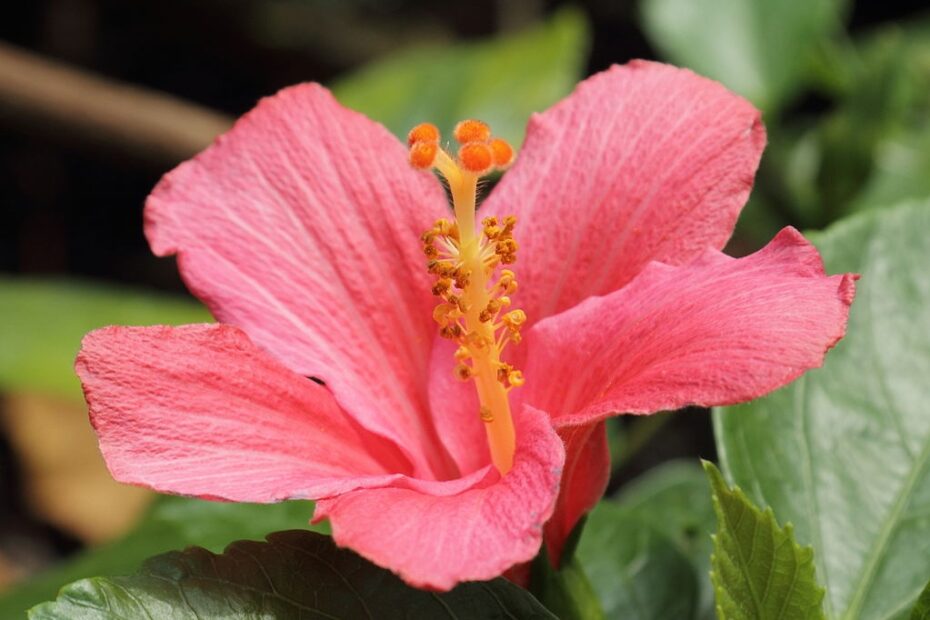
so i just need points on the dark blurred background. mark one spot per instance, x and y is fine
(71, 196)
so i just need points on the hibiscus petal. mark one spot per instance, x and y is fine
(200, 410)
(714, 332)
(454, 404)
(435, 539)
(585, 478)
(301, 226)
(642, 162)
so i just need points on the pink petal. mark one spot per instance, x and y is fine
(200, 410)
(454, 404)
(642, 162)
(585, 478)
(717, 331)
(435, 539)
(301, 226)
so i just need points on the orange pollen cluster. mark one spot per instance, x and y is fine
(441, 246)
(479, 152)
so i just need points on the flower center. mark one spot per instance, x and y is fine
(474, 308)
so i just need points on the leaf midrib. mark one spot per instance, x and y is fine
(865, 583)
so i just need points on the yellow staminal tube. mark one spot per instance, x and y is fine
(465, 259)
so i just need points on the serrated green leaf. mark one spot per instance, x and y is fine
(501, 81)
(295, 574)
(758, 570)
(921, 610)
(171, 523)
(844, 452)
(759, 48)
(42, 323)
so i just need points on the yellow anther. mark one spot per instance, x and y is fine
(457, 301)
(430, 251)
(451, 331)
(504, 301)
(442, 286)
(506, 246)
(462, 372)
(445, 313)
(515, 378)
(462, 353)
(514, 319)
(446, 228)
(461, 277)
(490, 310)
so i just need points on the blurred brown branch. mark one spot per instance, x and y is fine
(55, 98)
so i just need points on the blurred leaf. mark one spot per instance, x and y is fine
(882, 103)
(296, 574)
(636, 571)
(172, 523)
(759, 571)
(501, 81)
(566, 592)
(921, 610)
(42, 323)
(844, 452)
(653, 539)
(761, 49)
(65, 480)
(901, 171)
(673, 498)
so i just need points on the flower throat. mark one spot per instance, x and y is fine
(474, 308)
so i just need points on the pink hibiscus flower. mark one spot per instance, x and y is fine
(328, 377)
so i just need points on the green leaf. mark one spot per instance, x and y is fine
(171, 523)
(647, 553)
(886, 103)
(758, 570)
(566, 592)
(761, 49)
(673, 499)
(921, 610)
(296, 574)
(501, 81)
(636, 571)
(844, 452)
(901, 171)
(42, 323)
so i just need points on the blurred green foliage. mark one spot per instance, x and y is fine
(42, 323)
(501, 81)
(762, 49)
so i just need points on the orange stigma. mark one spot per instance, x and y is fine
(474, 292)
